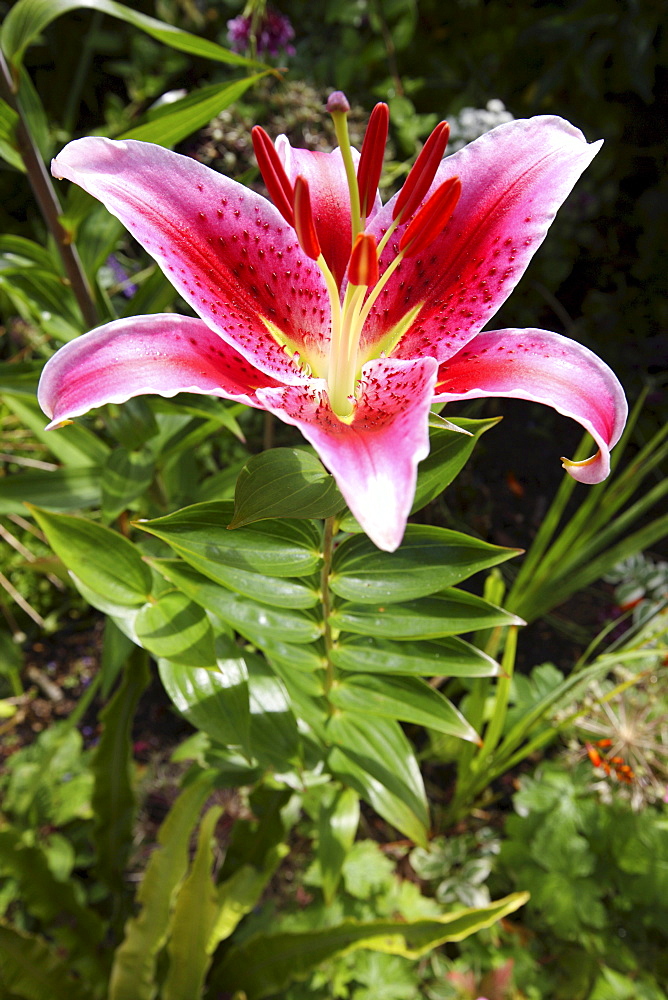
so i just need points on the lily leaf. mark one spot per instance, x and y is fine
(28, 18)
(284, 482)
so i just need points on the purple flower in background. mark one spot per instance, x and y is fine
(273, 33)
(121, 277)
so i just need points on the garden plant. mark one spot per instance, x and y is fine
(243, 395)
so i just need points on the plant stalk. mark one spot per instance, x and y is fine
(47, 200)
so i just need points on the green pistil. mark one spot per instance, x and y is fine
(340, 119)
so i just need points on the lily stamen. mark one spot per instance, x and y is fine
(273, 174)
(370, 165)
(304, 224)
(421, 174)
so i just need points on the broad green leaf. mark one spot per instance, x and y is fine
(134, 966)
(8, 142)
(306, 693)
(178, 629)
(126, 475)
(74, 446)
(338, 820)
(28, 18)
(288, 957)
(274, 736)
(30, 969)
(191, 113)
(440, 658)
(284, 482)
(279, 592)
(274, 548)
(409, 699)
(448, 613)
(448, 454)
(215, 701)
(256, 622)
(113, 794)
(61, 489)
(195, 915)
(304, 658)
(429, 559)
(102, 559)
(374, 757)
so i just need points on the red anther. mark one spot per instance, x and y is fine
(422, 173)
(432, 218)
(363, 264)
(594, 755)
(304, 224)
(371, 158)
(273, 173)
(604, 743)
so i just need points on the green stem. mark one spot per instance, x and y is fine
(47, 200)
(326, 599)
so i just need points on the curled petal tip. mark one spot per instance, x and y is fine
(590, 471)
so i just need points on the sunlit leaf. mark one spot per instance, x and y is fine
(284, 482)
(448, 613)
(408, 699)
(276, 548)
(429, 559)
(447, 657)
(289, 957)
(104, 560)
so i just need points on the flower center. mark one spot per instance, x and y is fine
(423, 224)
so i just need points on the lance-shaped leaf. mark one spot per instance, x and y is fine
(265, 965)
(440, 658)
(134, 966)
(214, 701)
(195, 913)
(429, 559)
(178, 629)
(338, 819)
(28, 19)
(104, 561)
(256, 622)
(408, 699)
(274, 548)
(374, 757)
(449, 613)
(284, 482)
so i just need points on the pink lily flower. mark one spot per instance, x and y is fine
(343, 317)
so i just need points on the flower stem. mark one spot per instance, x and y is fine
(47, 200)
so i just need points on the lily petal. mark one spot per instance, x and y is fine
(545, 368)
(225, 248)
(373, 458)
(514, 179)
(162, 354)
